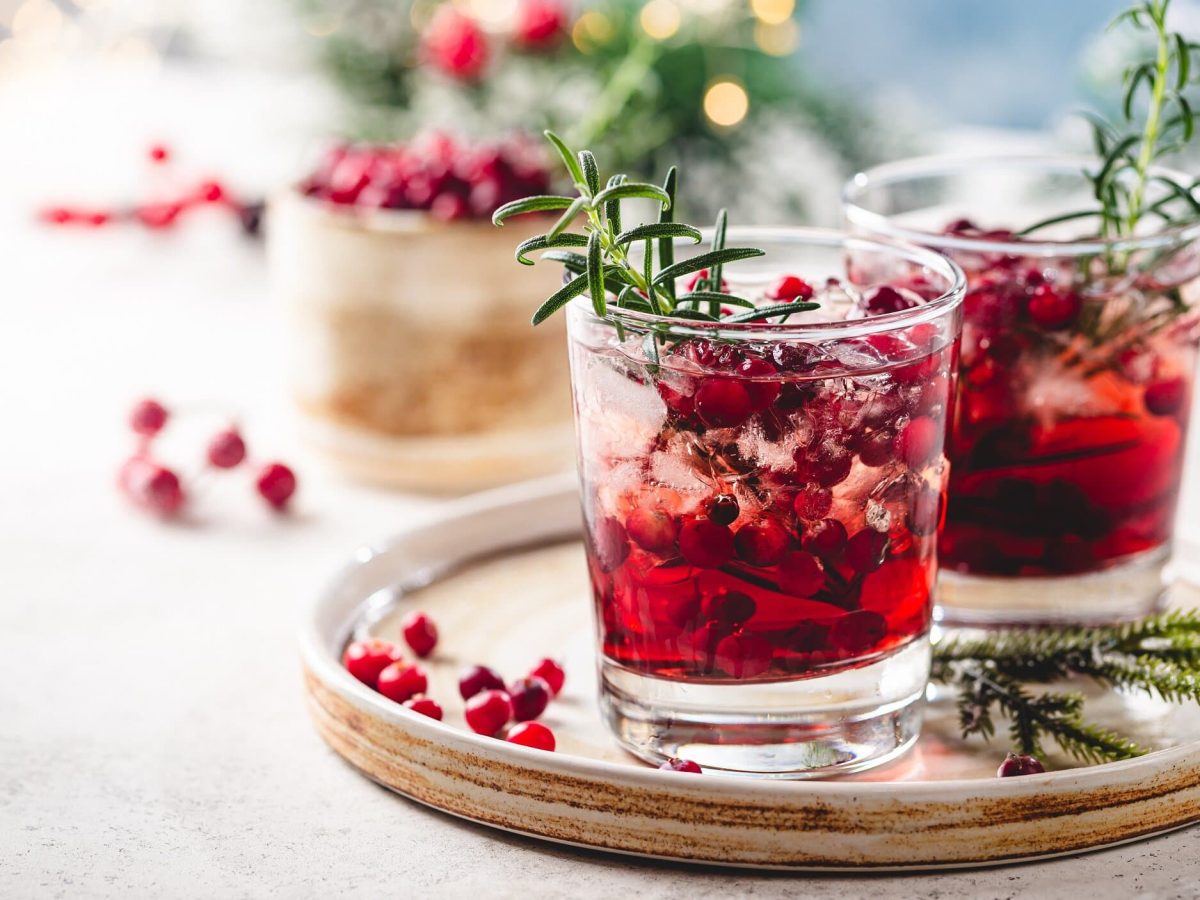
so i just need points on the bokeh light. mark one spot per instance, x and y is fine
(773, 12)
(660, 19)
(726, 103)
(777, 40)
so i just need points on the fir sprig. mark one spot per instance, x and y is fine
(1159, 655)
(606, 267)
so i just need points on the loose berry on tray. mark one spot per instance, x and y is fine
(475, 679)
(552, 673)
(227, 449)
(276, 484)
(1016, 764)
(489, 711)
(402, 681)
(675, 764)
(148, 417)
(152, 486)
(529, 697)
(532, 734)
(424, 706)
(420, 633)
(366, 659)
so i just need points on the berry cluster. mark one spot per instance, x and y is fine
(158, 489)
(437, 173)
(455, 44)
(162, 214)
(490, 704)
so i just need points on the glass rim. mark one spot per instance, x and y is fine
(891, 173)
(929, 311)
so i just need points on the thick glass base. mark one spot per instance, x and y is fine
(1128, 590)
(805, 728)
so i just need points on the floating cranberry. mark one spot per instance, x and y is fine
(529, 697)
(918, 441)
(795, 356)
(918, 371)
(652, 529)
(401, 681)
(744, 655)
(723, 402)
(705, 544)
(762, 390)
(801, 574)
(532, 734)
(723, 509)
(455, 44)
(883, 300)
(366, 659)
(866, 550)
(611, 543)
(789, 288)
(489, 711)
(276, 484)
(732, 608)
(1016, 764)
(858, 630)
(152, 486)
(420, 633)
(814, 502)
(424, 706)
(552, 673)
(1053, 309)
(148, 417)
(828, 465)
(826, 538)
(675, 764)
(540, 24)
(475, 679)
(877, 448)
(227, 449)
(677, 402)
(1166, 396)
(762, 543)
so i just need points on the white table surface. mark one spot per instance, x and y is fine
(153, 740)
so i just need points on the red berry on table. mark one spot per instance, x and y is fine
(529, 697)
(97, 219)
(276, 484)
(1165, 396)
(152, 486)
(159, 153)
(789, 289)
(675, 764)
(488, 712)
(420, 633)
(475, 679)
(884, 300)
(148, 417)
(158, 215)
(540, 24)
(918, 441)
(532, 734)
(227, 449)
(1051, 308)
(401, 681)
(652, 529)
(455, 44)
(705, 544)
(1016, 764)
(366, 659)
(448, 206)
(58, 215)
(552, 673)
(211, 192)
(425, 707)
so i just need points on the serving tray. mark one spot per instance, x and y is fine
(503, 576)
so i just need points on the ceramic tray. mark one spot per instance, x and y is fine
(503, 576)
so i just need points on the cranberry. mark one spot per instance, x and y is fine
(744, 655)
(551, 673)
(159, 153)
(722, 402)
(866, 550)
(675, 764)
(532, 734)
(227, 449)
(158, 215)
(420, 633)
(1019, 764)
(540, 24)
(652, 529)
(877, 448)
(886, 299)
(795, 356)
(488, 712)
(762, 392)
(448, 207)
(919, 371)
(152, 486)
(401, 681)
(682, 405)
(828, 465)
(918, 441)
(723, 509)
(1166, 396)
(611, 543)
(702, 275)
(148, 417)
(478, 678)
(1053, 309)
(705, 543)
(762, 543)
(366, 659)
(826, 538)
(276, 484)
(858, 631)
(211, 192)
(801, 574)
(424, 706)
(455, 44)
(814, 502)
(529, 697)
(732, 608)
(790, 288)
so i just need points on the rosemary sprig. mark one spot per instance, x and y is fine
(605, 267)
(1159, 655)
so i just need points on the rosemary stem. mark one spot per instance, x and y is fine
(1153, 116)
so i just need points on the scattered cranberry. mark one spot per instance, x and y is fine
(826, 538)
(211, 192)
(366, 659)
(1165, 397)
(1016, 764)
(1053, 309)
(705, 544)
(723, 509)
(789, 288)
(276, 484)
(158, 215)
(401, 681)
(652, 529)
(152, 486)
(540, 24)
(918, 441)
(866, 550)
(455, 44)
(884, 300)
(762, 543)
(532, 734)
(529, 697)
(489, 711)
(148, 417)
(723, 402)
(801, 574)
(551, 673)
(227, 449)
(449, 207)
(476, 679)
(159, 153)
(425, 707)
(420, 633)
(675, 764)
